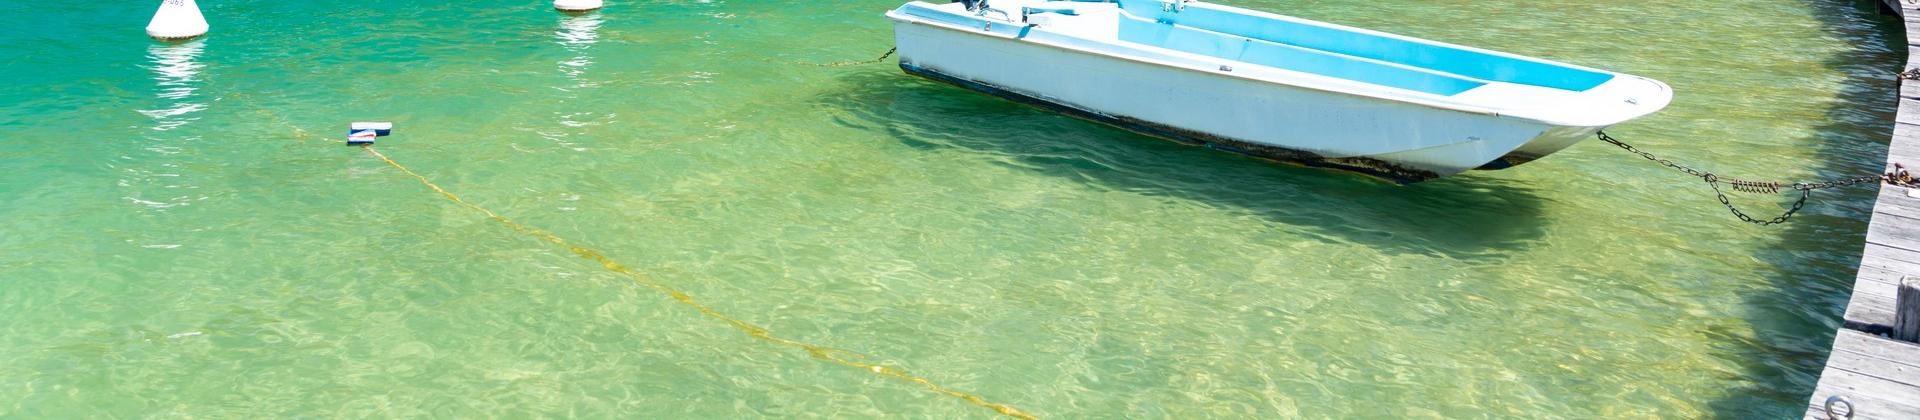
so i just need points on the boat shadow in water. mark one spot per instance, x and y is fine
(1460, 217)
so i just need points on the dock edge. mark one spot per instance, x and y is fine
(1879, 376)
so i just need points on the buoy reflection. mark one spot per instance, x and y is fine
(577, 34)
(154, 179)
(176, 72)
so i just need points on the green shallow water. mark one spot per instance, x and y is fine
(170, 245)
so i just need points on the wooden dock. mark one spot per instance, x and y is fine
(1881, 376)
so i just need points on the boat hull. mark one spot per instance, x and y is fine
(1399, 141)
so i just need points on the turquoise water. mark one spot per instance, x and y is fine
(181, 234)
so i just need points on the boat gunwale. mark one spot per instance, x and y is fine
(1417, 40)
(1421, 101)
(1402, 66)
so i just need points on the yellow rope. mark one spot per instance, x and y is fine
(755, 331)
(298, 134)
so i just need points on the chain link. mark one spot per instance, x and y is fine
(1899, 177)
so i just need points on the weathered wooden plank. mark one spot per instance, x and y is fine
(1892, 251)
(1901, 152)
(1905, 240)
(1882, 257)
(1909, 112)
(1815, 412)
(1870, 307)
(1900, 233)
(1877, 281)
(1883, 252)
(1881, 359)
(1908, 130)
(1875, 367)
(1906, 354)
(1906, 127)
(1893, 201)
(1891, 191)
(1906, 137)
(1897, 211)
(1905, 152)
(1884, 396)
(1893, 194)
(1873, 398)
(1869, 313)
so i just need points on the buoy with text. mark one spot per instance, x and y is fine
(177, 20)
(577, 5)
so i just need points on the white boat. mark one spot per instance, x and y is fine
(1271, 86)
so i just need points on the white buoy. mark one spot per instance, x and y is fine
(177, 19)
(577, 5)
(379, 127)
(361, 138)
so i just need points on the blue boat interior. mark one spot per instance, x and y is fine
(1340, 52)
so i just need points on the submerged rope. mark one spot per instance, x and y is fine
(817, 351)
(883, 57)
(837, 356)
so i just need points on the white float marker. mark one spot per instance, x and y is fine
(577, 5)
(361, 138)
(381, 128)
(363, 133)
(177, 20)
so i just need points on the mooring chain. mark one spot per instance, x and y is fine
(1898, 176)
(883, 57)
